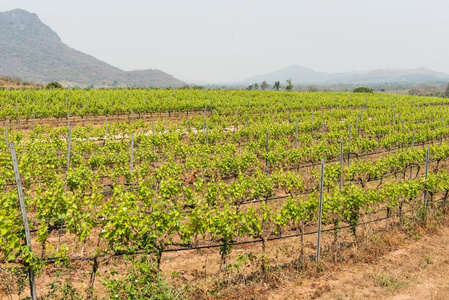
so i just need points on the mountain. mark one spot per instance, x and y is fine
(302, 75)
(32, 51)
(410, 75)
(296, 73)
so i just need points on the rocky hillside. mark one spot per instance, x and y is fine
(32, 51)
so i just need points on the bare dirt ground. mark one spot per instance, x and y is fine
(418, 269)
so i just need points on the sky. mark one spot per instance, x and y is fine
(232, 40)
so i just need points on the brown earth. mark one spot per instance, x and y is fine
(415, 267)
(417, 271)
(17, 83)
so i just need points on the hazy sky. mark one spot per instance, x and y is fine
(219, 41)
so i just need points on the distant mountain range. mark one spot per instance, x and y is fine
(302, 75)
(32, 51)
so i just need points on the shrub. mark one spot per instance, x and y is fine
(363, 89)
(53, 85)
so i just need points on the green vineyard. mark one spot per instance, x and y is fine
(111, 175)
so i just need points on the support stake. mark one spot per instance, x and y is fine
(12, 149)
(318, 247)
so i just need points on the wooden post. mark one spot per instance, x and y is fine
(69, 147)
(425, 177)
(236, 119)
(166, 121)
(17, 110)
(349, 145)
(320, 212)
(12, 149)
(132, 154)
(152, 123)
(413, 147)
(341, 164)
(266, 161)
(296, 134)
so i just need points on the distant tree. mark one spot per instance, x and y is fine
(264, 85)
(312, 88)
(362, 89)
(250, 87)
(414, 92)
(446, 94)
(255, 86)
(277, 85)
(289, 86)
(430, 91)
(54, 85)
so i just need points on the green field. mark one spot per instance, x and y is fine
(153, 171)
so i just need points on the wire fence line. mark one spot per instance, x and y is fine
(254, 241)
(242, 203)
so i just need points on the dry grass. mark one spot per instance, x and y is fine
(381, 264)
(399, 264)
(387, 264)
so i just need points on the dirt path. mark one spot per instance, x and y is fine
(418, 270)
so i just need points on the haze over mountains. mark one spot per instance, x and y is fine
(32, 51)
(302, 75)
